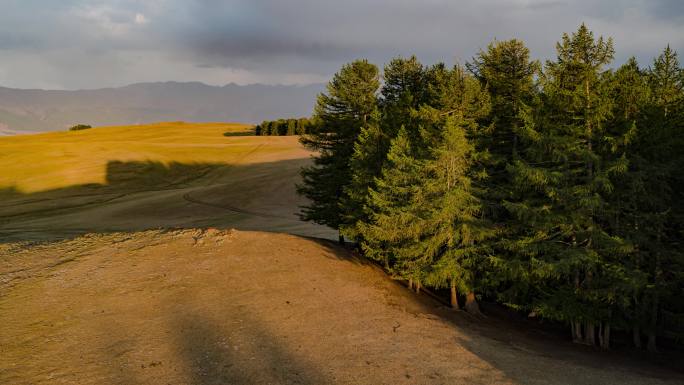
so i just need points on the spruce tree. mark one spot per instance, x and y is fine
(421, 207)
(340, 114)
(370, 151)
(451, 233)
(565, 250)
(392, 210)
(507, 72)
(400, 96)
(291, 127)
(656, 213)
(302, 126)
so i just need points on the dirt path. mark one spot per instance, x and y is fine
(234, 307)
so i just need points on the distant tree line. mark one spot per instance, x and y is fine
(283, 127)
(79, 127)
(554, 189)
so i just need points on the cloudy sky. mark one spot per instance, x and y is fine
(71, 44)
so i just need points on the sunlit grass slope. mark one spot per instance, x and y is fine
(31, 163)
(165, 175)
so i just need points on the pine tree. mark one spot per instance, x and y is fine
(629, 93)
(420, 212)
(370, 151)
(302, 126)
(667, 78)
(451, 233)
(566, 250)
(340, 115)
(282, 127)
(291, 126)
(400, 97)
(402, 93)
(507, 72)
(656, 156)
(391, 210)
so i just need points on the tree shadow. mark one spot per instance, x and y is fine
(527, 352)
(241, 355)
(152, 195)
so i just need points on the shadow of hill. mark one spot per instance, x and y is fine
(148, 195)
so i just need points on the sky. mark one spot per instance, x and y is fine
(77, 44)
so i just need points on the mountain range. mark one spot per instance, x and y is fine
(23, 111)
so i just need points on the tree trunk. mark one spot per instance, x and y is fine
(589, 334)
(454, 297)
(471, 305)
(651, 346)
(576, 327)
(605, 341)
(418, 286)
(410, 284)
(636, 337)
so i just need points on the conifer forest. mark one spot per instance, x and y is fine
(555, 189)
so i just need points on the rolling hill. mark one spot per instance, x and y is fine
(155, 254)
(50, 110)
(141, 177)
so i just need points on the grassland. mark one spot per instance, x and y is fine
(34, 163)
(149, 176)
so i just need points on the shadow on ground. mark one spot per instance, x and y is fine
(214, 355)
(151, 195)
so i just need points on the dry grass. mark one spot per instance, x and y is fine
(141, 177)
(32, 163)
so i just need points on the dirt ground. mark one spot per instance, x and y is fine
(236, 307)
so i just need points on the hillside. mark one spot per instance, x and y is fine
(50, 110)
(151, 255)
(234, 307)
(141, 177)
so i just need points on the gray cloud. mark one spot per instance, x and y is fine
(86, 44)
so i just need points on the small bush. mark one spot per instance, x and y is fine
(79, 127)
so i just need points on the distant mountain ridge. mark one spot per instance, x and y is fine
(52, 110)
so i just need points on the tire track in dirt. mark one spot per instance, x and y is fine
(53, 209)
(234, 209)
(189, 198)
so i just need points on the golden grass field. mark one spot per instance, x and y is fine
(149, 176)
(127, 256)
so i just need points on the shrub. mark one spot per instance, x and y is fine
(79, 127)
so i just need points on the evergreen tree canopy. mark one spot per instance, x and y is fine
(340, 113)
(556, 190)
